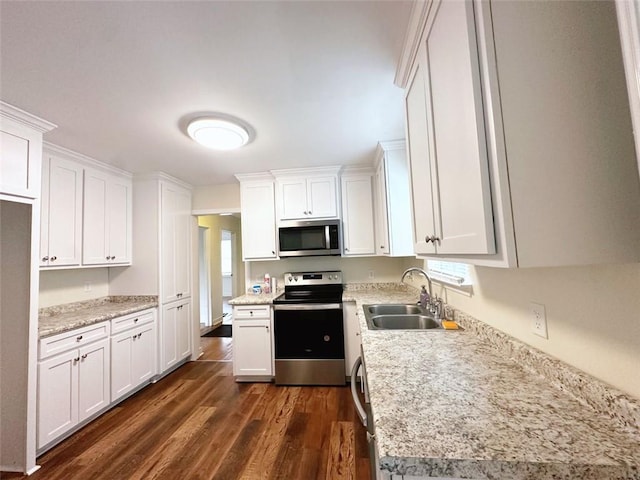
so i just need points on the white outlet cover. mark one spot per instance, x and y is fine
(538, 320)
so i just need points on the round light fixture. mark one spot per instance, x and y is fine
(217, 133)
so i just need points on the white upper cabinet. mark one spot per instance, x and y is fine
(357, 213)
(456, 147)
(516, 159)
(21, 147)
(257, 200)
(61, 215)
(107, 218)
(304, 194)
(392, 200)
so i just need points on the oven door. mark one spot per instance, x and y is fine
(309, 344)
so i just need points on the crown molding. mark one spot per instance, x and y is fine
(417, 22)
(298, 172)
(357, 170)
(17, 115)
(254, 177)
(161, 176)
(54, 149)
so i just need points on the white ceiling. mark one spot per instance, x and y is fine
(120, 78)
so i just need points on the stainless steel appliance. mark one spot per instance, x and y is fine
(309, 330)
(364, 411)
(309, 238)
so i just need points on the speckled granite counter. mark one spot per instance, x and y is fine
(62, 318)
(478, 404)
(255, 299)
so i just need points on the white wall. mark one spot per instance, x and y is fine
(217, 197)
(66, 286)
(593, 314)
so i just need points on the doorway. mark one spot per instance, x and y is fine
(204, 271)
(227, 263)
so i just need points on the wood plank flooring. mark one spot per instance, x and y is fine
(198, 423)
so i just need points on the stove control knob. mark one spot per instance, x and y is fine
(290, 278)
(295, 278)
(330, 277)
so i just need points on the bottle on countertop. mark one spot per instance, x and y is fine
(424, 297)
(267, 283)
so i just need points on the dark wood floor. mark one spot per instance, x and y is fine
(198, 423)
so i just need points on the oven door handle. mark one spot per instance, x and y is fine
(362, 414)
(309, 306)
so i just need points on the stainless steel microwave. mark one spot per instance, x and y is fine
(309, 238)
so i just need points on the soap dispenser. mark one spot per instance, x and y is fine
(424, 297)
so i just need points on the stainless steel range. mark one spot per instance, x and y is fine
(309, 330)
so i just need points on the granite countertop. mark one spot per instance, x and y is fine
(62, 318)
(457, 403)
(255, 299)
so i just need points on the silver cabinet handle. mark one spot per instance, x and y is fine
(45, 259)
(362, 414)
(135, 320)
(140, 334)
(85, 356)
(53, 259)
(76, 360)
(78, 338)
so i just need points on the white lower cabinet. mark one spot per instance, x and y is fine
(175, 333)
(72, 386)
(252, 342)
(133, 353)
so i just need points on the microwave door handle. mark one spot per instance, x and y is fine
(362, 414)
(327, 236)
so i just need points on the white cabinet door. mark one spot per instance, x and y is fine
(168, 335)
(419, 166)
(61, 216)
(183, 244)
(321, 197)
(122, 377)
(107, 219)
(293, 198)
(133, 361)
(258, 220)
(252, 348)
(382, 225)
(57, 396)
(357, 215)
(143, 357)
(447, 143)
(176, 242)
(458, 153)
(94, 244)
(120, 220)
(183, 330)
(93, 378)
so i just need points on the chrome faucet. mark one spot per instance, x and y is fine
(434, 305)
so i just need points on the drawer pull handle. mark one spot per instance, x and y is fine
(76, 360)
(45, 259)
(135, 320)
(84, 356)
(53, 259)
(139, 335)
(78, 338)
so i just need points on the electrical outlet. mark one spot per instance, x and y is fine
(538, 320)
(87, 286)
(372, 274)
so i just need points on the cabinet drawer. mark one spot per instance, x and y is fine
(251, 311)
(126, 322)
(72, 339)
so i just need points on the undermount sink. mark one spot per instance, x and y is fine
(399, 317)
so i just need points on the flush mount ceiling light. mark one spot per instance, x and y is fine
(217, 133)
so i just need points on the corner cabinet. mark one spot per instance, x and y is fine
(392, 200)
(307, 194)
(107, 219)
(252, 343)
(357, 212)
(504, 179)
(258, 216)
